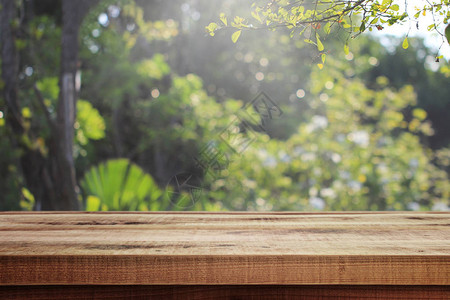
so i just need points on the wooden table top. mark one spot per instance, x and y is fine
(344, 248)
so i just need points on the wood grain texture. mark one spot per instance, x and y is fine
(235, 292)
(225, 248)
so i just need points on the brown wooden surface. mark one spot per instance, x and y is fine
(235, 292)
(225, 248)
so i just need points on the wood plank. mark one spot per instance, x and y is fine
(395, 248)
(248, 292)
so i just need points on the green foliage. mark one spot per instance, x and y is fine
(155, 68)
(308, 167)
(315, 18)
(43, 53)
(27, 202)
(357, 152)
(350, 138)
(11, 181)
(120, 185)
(49, 89)
(89, 123)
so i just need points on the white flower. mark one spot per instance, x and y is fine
(284, 157)
(340, 137)
(317, 203)
(413, 206)
(413, 163)
(355, 185)
(298, 150)
(327, 192)
(440, 206)
(360, 138)
(319, 122)
(270, 162)
(344, 174)
(313, 192)
(382, 168)
(308, 156)
(336, 158)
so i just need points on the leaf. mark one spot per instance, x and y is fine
(90, 124)
(420, 114)
(211, 28)
(292, 33)
(323, 57)
(319, 43)
(93, 203)
(156, 67)
(26, 112)
(362, 27)
(223, 18)
(320, 66)
(118, 184)
(346, 49)
(256, 16)
(395, 7)
(405, 43)
(327, 28)
(235, 36)
(237, 22)
(49, 87)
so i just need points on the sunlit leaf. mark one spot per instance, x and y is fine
(156, 67)
(118, 184)
(405, 43)
(211, 28)
(327, 28)
(256, 16)
(93, 203)
(419, 114)
(319, 43)
(235, 36)
(223, 18)
(346, 49)
(395, 7)
(26, 112)
(89, 123)
(49, 88)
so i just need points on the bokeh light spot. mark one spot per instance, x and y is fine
(259, 76)
(300, 93)
(155, 93)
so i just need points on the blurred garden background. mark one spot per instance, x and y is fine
(168, 117)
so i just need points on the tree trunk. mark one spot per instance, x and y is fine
(62, 162)
(10, 65)
(31, 162)
(51, 179)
